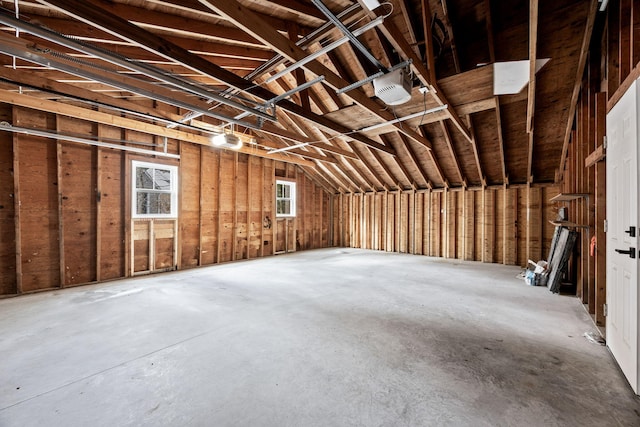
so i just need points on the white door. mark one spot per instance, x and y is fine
(622, 220)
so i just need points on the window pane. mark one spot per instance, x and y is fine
(286, 191)
(164, 203)
(283, 207)
(162, 179)
(279, 190)
(143, 177)
(142, 203)
(153, 203)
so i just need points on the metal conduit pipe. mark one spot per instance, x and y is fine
(113, 58)
(325, 10)
(147, 116)
(277, 59)
(15, 49)
(5, 126)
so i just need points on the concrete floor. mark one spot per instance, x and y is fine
(333, 337)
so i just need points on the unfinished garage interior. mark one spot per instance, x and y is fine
(319, 212)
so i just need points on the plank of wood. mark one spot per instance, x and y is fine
(578, 81)
(600, 214)
(597, 155)
(37, 206)
(125, 123)
(533, 45)
(16, 208)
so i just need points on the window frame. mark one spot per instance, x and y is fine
(291, 198)
(173, 174)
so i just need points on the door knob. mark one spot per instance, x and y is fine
(631, 252)
(631, 231)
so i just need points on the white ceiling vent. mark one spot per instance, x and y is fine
(393, 88)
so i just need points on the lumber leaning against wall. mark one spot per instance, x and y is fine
(500, 225)
(65, 208)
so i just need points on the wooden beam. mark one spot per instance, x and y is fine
(396, 38)
(596, 156)
(452, 151)
(125, 123)
(533, 43)
(586, 39)
(386, 169)
(530, 157)
(428, 38)
(436, 166)
(600, 214)
(416, 161)
(476, 155)
(250, 22)
(503, 160)
(119, 27)
(371, 170)
(36, 80)
(400, 164)
(293, 136)
(350, 164)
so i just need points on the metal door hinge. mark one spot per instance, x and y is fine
(605, 309)
(606, 225)
(604, 142)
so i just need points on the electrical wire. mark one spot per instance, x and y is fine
(424, 107)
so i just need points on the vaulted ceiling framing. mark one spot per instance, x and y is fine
(231, 49)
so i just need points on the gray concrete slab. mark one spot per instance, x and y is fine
(333, 337)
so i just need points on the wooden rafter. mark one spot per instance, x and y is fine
(348, 163)
(395, 37)
(126, 123)
(428, 39)
(113, 24)
(274, 130)
(400, 164)
(533, 43)
(436, 166)
(245, 19)
(196, 27)
(416, 161)
(386, 169)
(269, 141)
(330, 176)
(476, 154)
(447, 23)
(584, 50)
(320, 180)
(452, 152)
(371, 170)
(45, 84)
(212, 46)
(347, 176)
(492, 59)
(503, 160)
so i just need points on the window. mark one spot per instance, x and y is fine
(285, 199)
(155, 190)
